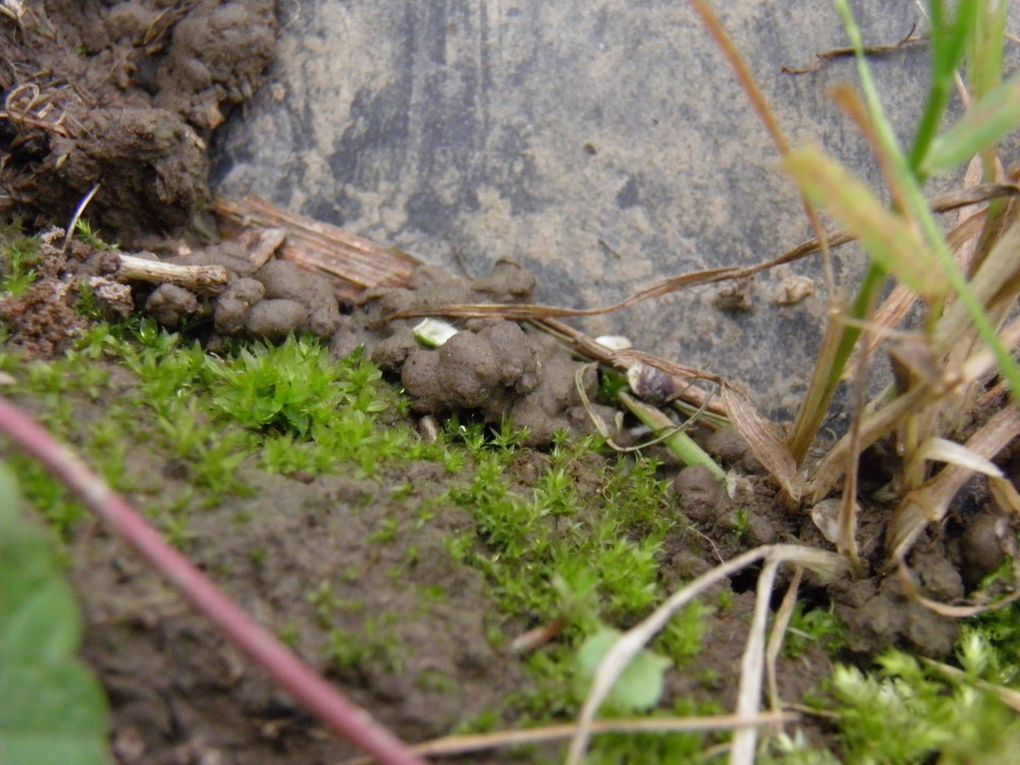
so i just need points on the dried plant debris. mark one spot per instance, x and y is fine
(127, 96)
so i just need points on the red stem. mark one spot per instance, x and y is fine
(309, 689)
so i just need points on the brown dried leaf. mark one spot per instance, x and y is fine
(762, 440)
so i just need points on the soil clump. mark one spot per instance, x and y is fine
(126, 96)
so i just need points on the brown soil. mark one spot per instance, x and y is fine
(415, 628)
(127, 95)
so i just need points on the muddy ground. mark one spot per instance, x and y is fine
(127, 95)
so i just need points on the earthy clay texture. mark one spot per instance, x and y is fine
(123, 95)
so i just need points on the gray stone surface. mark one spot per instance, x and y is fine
(602, 144)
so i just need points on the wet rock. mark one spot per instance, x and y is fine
(507, 281)
(169, 304)
(702, 497)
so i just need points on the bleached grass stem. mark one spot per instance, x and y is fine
(630, 643)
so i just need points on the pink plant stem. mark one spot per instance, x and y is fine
(315, 694)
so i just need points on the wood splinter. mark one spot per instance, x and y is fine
(206, 280)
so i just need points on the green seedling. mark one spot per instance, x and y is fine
(639, 686)
(681, 444)
(818, 626)
(84, 231)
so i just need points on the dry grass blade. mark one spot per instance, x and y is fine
(13, 9)
(752, 667)
(882, 420)
(631, 642)
(940, 203)
(761, 106)
(533, 312)
(766, 445)
(846, 98)
(955, 611)
(586, 346)
(73, 225)
(872, 51)
(895, 307)
(779, 626)
(350, 263)
(1007, 696)
(995, 284)
(930, 502)
(455, 745)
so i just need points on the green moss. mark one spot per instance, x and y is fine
(19, 258)
(816, 626)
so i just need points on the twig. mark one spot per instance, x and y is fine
(350, 263)
(314, 693)
(779, 625)
(874, 51)
(207, 280)
(453, 745)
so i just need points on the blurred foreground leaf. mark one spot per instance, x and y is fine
(53, 710)
(985, 122)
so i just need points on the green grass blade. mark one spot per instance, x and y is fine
(988, 39)
(986, 122)
(887, 237)
(948, 42)
(681, 444)
(921, 212)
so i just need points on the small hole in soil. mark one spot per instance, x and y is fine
(745, 580)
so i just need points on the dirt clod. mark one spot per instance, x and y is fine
(233, 306)
(702, 496)
(982, 547)
(41, 322)
(169, 304)
(275, 319)
(124, 95)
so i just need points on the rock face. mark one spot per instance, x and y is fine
(600, 147)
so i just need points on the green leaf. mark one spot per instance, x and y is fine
(52, 709)
(985, 122)
(52, 713)
(888, 238)
(639, 687)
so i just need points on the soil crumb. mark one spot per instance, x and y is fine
(124, 96)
